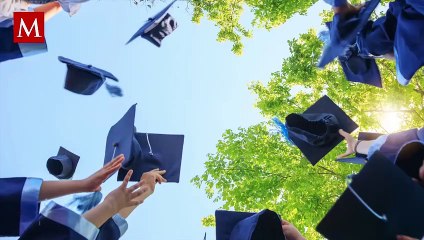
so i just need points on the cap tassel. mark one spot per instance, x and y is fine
(114, 91)
(148, 142)
(283, 130)
(382, 217)
(86, 202)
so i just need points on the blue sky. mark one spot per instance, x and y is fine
(192, 85)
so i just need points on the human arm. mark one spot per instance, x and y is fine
(148, 179)
(121, 197)
(50, 9)
(290, 231)
(53, 189)
(352, 143)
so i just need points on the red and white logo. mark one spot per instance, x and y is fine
(28, 27)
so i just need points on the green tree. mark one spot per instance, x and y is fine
(226, 15)
(253, 169)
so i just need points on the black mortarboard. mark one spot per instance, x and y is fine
(344, 31)
(85, 79)
(248, 226)
(361, 158)
(143, 151)
(380, 203)
(315, 132)
(63, 165)
(361, 70)
(157, 27)
(163, 151)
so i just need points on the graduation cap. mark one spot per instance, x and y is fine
(63, 165)
(408, 47)
(361, 70)
(157, 27)
(344, 30)
(85, 79)
(143, 151)
(361, 158)
(248, 226)
(315, 132)
(380, 203)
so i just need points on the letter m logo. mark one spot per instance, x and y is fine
(28, 27)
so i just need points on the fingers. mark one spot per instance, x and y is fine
(161, 172)
(402, 237)
(161, 179)
(118, 159)
(284, 222)
(112, 170)
(127, 179)
(344, 155)
(138, 193)
(421, 172)
(343, 133)
(134, 187)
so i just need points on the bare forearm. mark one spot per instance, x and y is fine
(100, 214)
(50, 9)
(364, 146)
(54, 189)
(127, 211)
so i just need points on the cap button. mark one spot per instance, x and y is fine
(90, 66)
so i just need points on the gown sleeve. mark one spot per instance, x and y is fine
(56, 222)
(19, 204)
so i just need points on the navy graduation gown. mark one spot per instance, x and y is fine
(59, 223)
(113, 229)
(409, 38)
(401, 32)
(395, 141)
(19, 204)
(10, 50)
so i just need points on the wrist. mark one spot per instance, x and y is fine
(110, 207)
(355, 149)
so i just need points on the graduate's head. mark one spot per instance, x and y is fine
(410, 159)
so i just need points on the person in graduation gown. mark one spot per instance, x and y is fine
(20, 197)
(10, 50)
(390, 36)
(392, 146)
(58, 222)
(115, 227)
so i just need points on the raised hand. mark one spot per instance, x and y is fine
(124, 197)
(152, 177)
(93, 182)
(350, 142)
(290, 231)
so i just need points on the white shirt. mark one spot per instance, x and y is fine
(7, 7)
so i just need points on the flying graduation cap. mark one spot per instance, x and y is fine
(315, 131)
(85, 79)
(143, 151)
(157, 27)
(344, 30)
(248, 226)
(380, 203)
(63, 165)
(361, 158)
